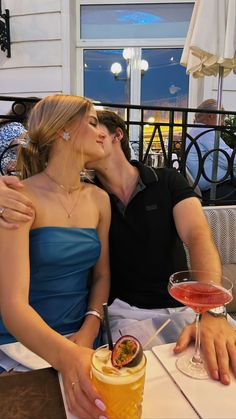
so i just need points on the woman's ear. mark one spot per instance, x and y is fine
(119, 135)
(64, 135)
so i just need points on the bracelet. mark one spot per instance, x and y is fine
(94, 313)
(94, 309)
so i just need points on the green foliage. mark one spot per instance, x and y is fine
(229, 134)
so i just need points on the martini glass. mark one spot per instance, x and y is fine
(201, 291)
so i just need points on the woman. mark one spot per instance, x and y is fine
(45, 287)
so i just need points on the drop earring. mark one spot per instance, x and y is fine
(66, 136)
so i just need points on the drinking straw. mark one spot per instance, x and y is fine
(156, 332)
(107, 326)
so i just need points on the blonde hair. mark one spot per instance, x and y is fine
(47, 118)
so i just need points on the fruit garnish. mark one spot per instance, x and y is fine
(127, 352)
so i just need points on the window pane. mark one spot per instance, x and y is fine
(165, 83)
(99, 82)
(135, 21)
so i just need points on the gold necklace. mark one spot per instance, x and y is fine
(69, 189)
(68, 212)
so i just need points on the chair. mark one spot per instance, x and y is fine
(222, 221)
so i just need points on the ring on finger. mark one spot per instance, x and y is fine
(73, 384)
(2, 211)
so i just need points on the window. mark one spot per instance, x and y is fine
(135, 21)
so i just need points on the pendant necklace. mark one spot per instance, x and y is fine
(69, 191)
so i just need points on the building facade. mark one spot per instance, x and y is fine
(120, 51)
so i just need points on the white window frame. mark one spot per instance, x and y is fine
(162, 42)
(120, 43)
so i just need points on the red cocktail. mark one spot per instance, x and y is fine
(201, 291)
(200, 296)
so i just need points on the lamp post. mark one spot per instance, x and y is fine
(116, 69)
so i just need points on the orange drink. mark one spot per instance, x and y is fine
(121, 388)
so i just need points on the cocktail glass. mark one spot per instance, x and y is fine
(201, 291)
(121, 389)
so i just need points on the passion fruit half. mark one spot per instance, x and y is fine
(127, 352)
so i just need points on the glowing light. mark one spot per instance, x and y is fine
(116, 68)
(144, 65)
(127, 53)
(140, 18)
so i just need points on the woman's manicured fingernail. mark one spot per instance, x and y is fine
(100, 405)
(102, 417)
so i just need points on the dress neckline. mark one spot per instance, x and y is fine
(63, 228)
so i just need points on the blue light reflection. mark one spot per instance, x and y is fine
(140, 18)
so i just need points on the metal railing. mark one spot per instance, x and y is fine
(158, 136)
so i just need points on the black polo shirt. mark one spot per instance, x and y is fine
(145, 248)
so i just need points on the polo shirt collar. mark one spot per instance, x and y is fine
(147, 174)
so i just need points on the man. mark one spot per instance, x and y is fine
(152, 212)
(205, 138)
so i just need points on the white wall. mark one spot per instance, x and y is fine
(228, 93)
(40, 49)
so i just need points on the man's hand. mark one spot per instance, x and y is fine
(218, 343)
(17, 207)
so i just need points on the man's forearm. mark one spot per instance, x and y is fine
(203, 253)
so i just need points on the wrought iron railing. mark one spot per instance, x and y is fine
(161, 136)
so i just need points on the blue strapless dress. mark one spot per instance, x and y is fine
(60, 263)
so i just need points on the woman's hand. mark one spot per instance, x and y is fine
(82, 398)
(81, 339)
(17, 207)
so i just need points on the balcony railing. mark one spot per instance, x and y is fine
(158, 136)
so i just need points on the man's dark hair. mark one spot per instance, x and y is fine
(112, 121)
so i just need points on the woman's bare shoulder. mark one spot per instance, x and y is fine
(99, 197)
(95, 191)
(34, 189)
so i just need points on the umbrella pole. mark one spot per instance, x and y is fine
(217, 134)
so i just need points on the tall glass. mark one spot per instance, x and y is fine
(201, 291)
(121, 389)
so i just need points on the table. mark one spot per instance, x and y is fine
(168, 393)
(210, 399)
(162, 397)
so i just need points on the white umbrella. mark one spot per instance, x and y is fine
(210, 47)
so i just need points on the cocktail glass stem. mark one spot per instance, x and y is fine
(196, 359)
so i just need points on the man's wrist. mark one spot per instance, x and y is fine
(218, 312)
